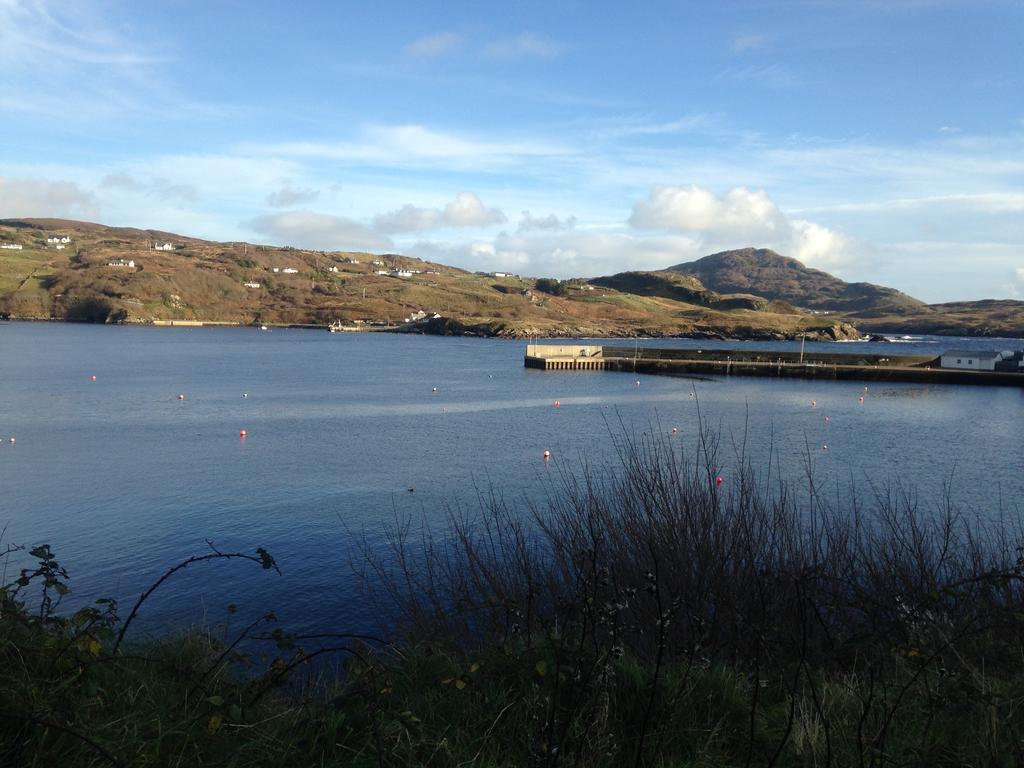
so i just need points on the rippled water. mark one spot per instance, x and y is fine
(124, 479)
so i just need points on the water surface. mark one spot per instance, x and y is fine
(123, 479)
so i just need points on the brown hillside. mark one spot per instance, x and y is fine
(206, 281)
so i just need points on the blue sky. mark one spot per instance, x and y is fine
(881, 141)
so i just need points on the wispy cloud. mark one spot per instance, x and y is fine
(526, 45)
(746, 43)
(431, 46)
(39, 33)
(776, 76)
(60, 58)
(401, 145)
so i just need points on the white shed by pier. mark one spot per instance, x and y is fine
(973, 360)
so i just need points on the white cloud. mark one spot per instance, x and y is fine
(522, 46)
(818, 246)
(1017, 283)
(322, 231)
(41, 198)
(551, 222)
(697, 209)
(571, 253)
(430, 46)
(466, 210)
(737, 218)
(288, 196)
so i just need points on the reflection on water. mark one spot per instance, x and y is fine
(123, 478)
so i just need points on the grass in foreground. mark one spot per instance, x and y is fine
(641, 618)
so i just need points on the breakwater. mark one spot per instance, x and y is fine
(732, 362)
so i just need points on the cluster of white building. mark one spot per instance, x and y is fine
(399, 272)
(121, 263)
(421, 316)
(11, 246)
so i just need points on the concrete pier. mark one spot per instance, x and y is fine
(744, 362)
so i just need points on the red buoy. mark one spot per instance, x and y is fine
(718, 480)
(93, 378)
(242, 433)
(861, 398)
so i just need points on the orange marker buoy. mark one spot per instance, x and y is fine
(242, 433)
(718, 480)
(861, 398)
(92, 378)
(558, 403)
(547, 455)
(181, 397)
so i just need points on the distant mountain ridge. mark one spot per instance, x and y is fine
(765, 273)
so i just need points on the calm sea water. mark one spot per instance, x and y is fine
(123, 479)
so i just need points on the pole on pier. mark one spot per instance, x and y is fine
(803, 338)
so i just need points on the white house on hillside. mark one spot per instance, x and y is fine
(163, 246)
(11, 246)
(55, 239)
